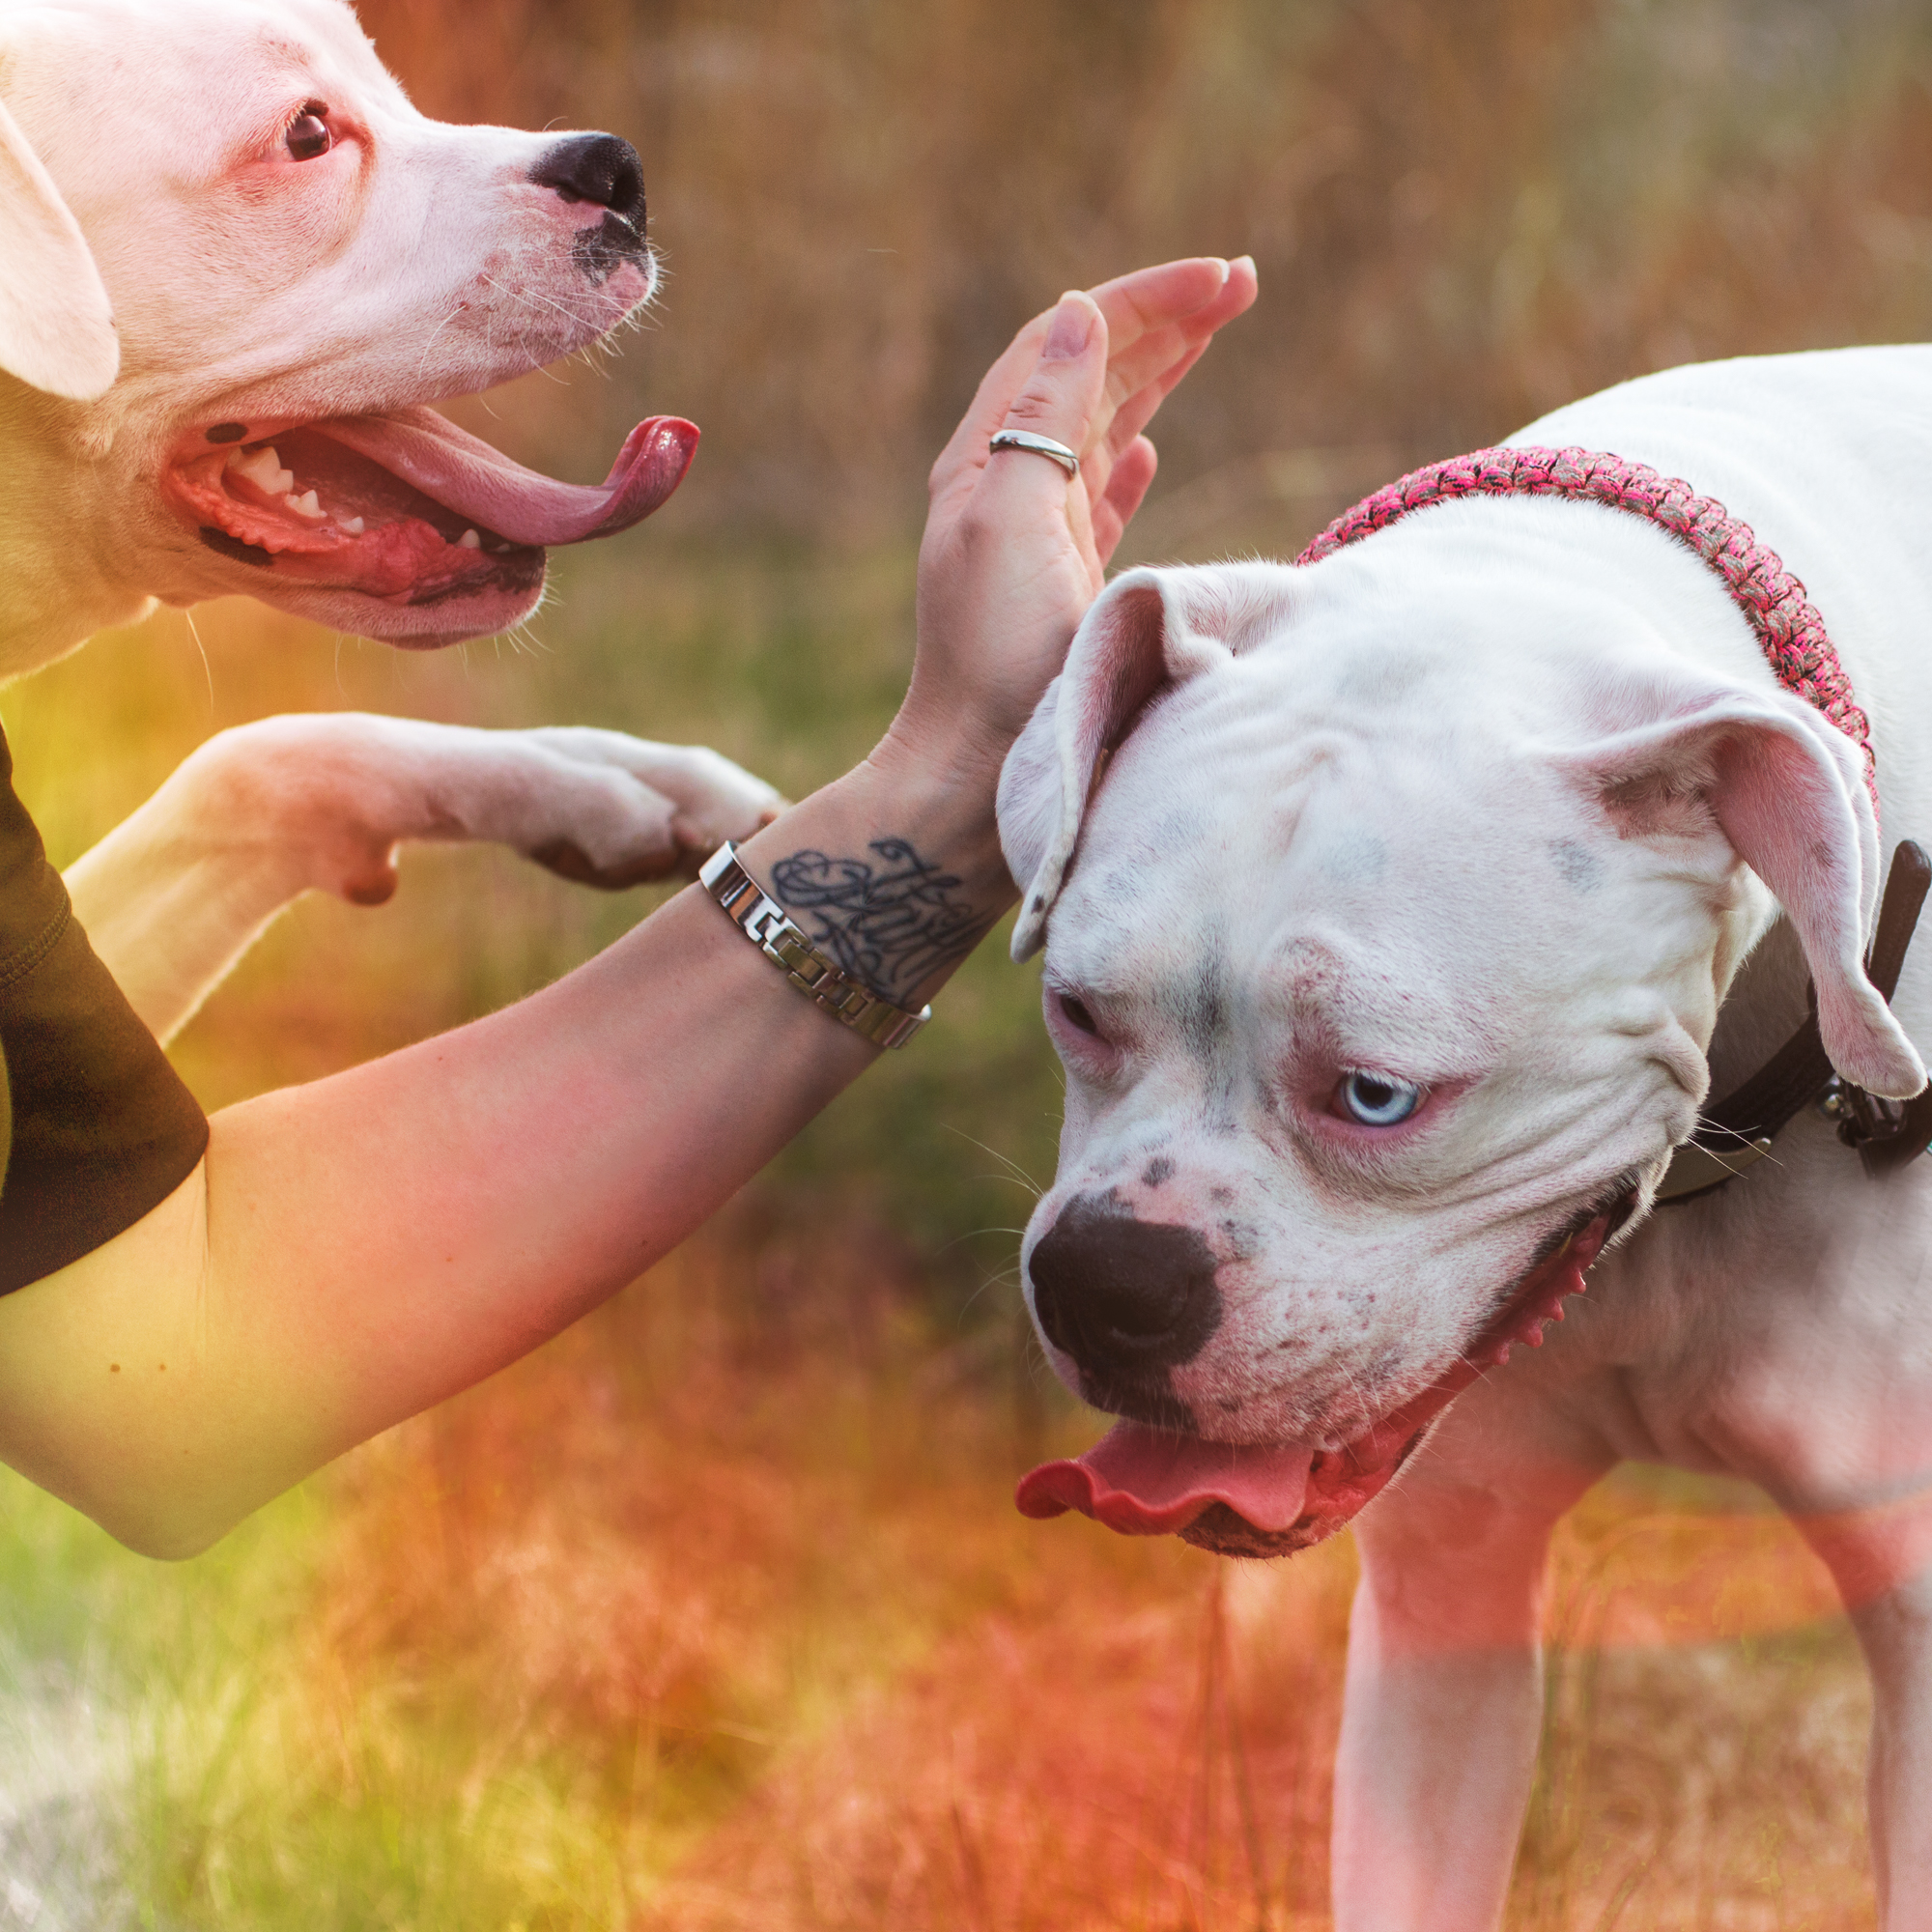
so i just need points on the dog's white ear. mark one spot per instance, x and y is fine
(1149, 628)
(1787, 789)
(56, 324)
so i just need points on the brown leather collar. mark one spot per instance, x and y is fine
(1737, 1131)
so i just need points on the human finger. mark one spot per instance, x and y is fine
(1149, 298)
(1059, 400)
(966, 449)
(1130, 417)
(1170, 349)
(1137, 305)
(1142, 378)
(1126, 487)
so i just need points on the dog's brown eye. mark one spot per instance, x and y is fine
(309, 133)
(1077, 1013)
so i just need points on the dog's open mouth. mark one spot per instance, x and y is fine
(407, 509)
(1267, 1500)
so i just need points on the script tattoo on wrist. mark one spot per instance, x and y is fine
(890, 925)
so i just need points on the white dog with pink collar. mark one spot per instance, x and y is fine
(1401, 910)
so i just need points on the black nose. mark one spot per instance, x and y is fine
(597, 168)
(1123, 1298)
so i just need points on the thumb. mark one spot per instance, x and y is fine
(1062, 395)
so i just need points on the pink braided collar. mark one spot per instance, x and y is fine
(1788, 627)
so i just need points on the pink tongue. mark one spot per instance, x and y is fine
(1144, 1482)
(466, 474)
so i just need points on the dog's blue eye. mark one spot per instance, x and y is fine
(308, 134)
(1375, 1100)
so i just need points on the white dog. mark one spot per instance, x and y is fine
(1427, 892)
(236, 267)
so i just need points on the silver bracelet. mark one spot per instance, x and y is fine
(769, 928)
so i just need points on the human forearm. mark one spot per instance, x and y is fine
(358, 1248)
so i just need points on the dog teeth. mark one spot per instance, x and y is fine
(307, 505)
(470, 540)
(355, 526)
(262, 467)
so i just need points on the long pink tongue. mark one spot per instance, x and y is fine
(1144, 1482)
(466, 476)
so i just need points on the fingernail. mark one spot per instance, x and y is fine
(1244, 261)
(1073, 327)
(1222, 266)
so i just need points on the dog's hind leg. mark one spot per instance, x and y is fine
(1444, 1698)
(262, 813)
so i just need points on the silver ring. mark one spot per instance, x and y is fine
(1038, 446)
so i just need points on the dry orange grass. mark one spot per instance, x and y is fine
(746, 1543)
(742, 1548)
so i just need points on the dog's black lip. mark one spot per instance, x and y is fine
(502, 578)
(1616, 1199)
(224, 544)
(1224, 1531)
(518, 569)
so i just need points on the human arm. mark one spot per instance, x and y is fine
(354, 1250)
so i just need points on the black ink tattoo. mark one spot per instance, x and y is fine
(890, 925)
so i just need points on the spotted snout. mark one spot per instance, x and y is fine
(599, 171)
(1129, 1300)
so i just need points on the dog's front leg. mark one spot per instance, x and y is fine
(260, 814)
(1879, 1560)
(1444, 1696)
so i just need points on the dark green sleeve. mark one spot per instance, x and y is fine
(98, 1127)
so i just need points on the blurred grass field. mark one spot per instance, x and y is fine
(716, 1613)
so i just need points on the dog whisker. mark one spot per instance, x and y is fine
(1015, 1172)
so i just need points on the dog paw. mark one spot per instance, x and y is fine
(678, 803)
(331, 797)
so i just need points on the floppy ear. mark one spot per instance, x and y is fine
(56, 325)
(1787, 788)
(1149, 628)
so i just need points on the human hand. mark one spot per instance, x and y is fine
(1014, 550)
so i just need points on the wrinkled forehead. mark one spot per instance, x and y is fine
(177, 81)
(1298, 848)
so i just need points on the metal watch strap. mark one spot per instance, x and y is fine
(769, 928)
